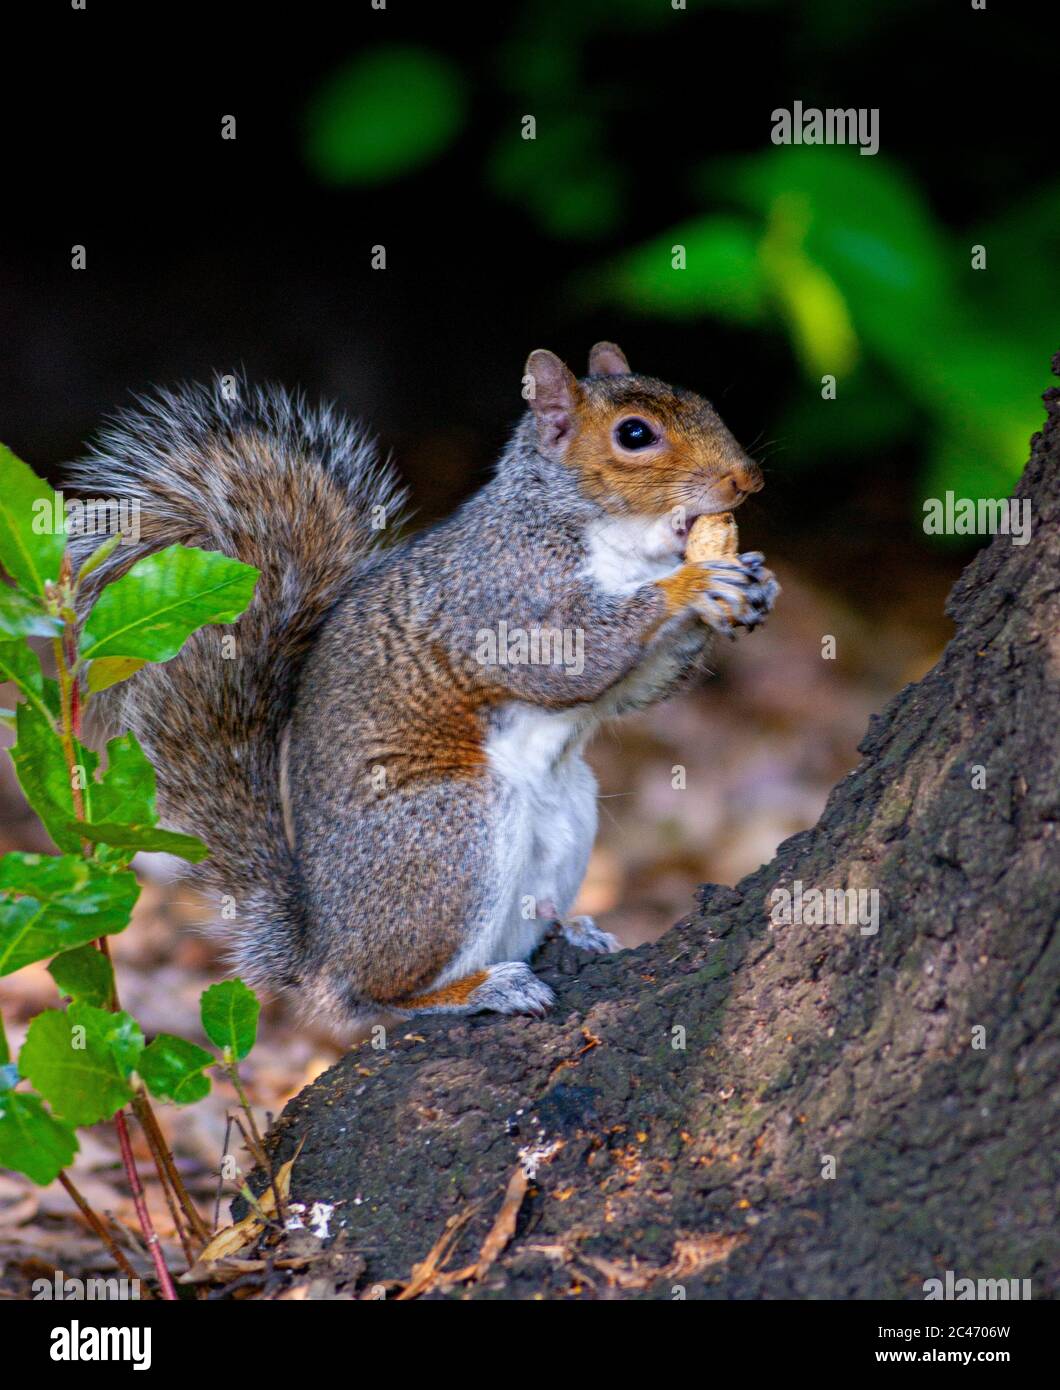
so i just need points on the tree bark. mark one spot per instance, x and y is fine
(680, 1108)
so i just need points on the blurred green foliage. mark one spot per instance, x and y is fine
(573, 193)
(844, 254)
(389, 110)
(841, 254)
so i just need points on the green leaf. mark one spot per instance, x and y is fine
(811, 302)
(866, 226)
(151, 611)
(126, 791)
(230, 1017)
(109, 670)
(85, 974)
(387, 111)
(101, 553)
(120, 806)
(43, 775)
(561, 175)
(22, 615)
(44, 876)
(65, 902)
(143, 837)
(32, 1141)
(30, 550)
(80, 1060)
(5, 1051)
(20, 664)
(172, 1069)
(722, 274)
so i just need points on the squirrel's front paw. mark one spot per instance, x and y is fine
(736, 593)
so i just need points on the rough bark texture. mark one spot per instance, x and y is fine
(702, 1166)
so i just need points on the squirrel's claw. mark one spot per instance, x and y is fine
(741, 594)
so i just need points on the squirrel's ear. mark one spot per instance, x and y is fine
(608, 359)
(551, 390)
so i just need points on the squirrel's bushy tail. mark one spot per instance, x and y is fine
(292, 490)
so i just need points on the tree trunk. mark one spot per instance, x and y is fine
(683, 1107)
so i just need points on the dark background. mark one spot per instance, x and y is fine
(204, 253)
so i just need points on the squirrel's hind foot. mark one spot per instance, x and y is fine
(508, 988)
(583, 933)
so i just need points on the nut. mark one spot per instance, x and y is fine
(712, 538)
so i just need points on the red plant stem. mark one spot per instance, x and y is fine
(168, 1168)
(75, 707)
(163, 1159)
(165, 1279)
(171, 1201)
(101, 1231)
(67, 731)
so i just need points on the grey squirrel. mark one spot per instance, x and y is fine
(389, 774)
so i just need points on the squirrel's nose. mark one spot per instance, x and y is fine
(745, 476)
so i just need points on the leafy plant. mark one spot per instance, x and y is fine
(89, 1061)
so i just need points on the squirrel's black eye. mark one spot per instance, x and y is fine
(635, 434)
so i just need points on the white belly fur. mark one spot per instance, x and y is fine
(546, 830)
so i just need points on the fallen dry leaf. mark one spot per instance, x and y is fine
(219, 1270)
(231, 1239)
(503, 1227)
(428, 1272)
(691, 1255)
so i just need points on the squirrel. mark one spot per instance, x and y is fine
(395, 799)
